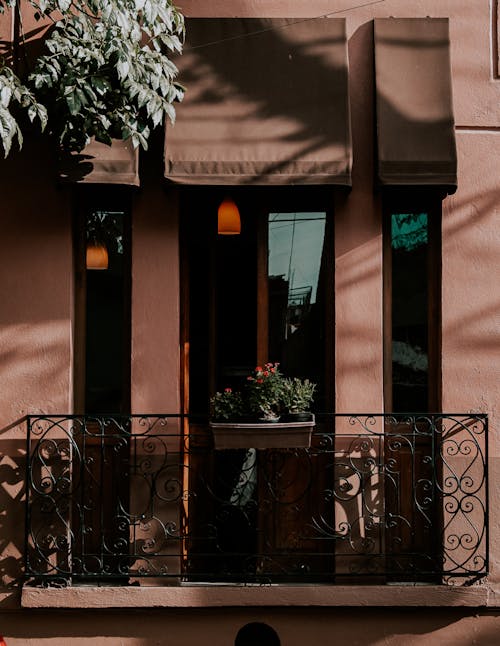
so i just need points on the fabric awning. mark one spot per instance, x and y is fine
(415, 125)
(266, 103)
(102, 164)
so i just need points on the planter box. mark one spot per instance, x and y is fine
(255, 435)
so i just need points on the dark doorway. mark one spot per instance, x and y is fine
(265, 295)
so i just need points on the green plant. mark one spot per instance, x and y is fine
(264, 391)
(266, 395)
(227, 404)
(13, 96)
(297, 395)
(105, 72)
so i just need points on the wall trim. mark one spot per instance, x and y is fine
(203, 596)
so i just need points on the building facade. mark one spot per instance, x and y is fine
(360, 144)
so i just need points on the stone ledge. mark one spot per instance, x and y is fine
(198, 596)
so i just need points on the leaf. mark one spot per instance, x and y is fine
(170, 111)
(5, 96)
(104, 138)
(32, 112)
(42, 116)
(99, 85)
(122, 68)
(106, 64)
(157, 117)
(142, 97)
(7, 130)
(73, 103)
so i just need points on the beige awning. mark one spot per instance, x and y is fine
(415, 125)
(266, 103)
(102, 164)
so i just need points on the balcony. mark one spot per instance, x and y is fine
(130, 500)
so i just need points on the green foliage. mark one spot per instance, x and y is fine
(106, 73)
(409, 230)
(105, 227)
(297, 395)
(227, 405)
(266, 395)
(12, 91)
(264, 390)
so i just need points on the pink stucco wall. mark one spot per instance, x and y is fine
(36, 311)
(155, 300)
(357, 626)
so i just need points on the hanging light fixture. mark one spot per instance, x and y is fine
(228, 218)
(97, 255)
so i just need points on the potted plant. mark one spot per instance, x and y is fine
(264, 390)
(296, 397)
(226, 405)
(263, 399)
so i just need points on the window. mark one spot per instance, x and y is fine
(102, 373)
(263, 295)
(412, 376)
(412, 304)
(102, 353)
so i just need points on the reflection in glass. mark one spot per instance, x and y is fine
(296, 275)
(410, 343)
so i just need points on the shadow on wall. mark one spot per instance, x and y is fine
(295, 120)
(296, 627)
(470, 262)
(12, 507)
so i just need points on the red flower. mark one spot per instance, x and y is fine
(260, 381)
(258, 369)
(266, 373)
(228, 390)
(273, 369)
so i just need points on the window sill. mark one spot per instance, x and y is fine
(203, 596)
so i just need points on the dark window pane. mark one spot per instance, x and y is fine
(105, 315)
(410, 311)
(236, 298)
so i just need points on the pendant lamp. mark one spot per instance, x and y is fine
(228, 218)
(97, 255)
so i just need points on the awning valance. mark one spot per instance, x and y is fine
(102, 164)
(415, 125)
(266, 103)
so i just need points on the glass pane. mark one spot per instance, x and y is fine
(105, 312)
(410, 249)
(236, 300)
(296, 279)
(222, 302)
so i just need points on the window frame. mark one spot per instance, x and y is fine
(84, 200)
(263, 200)
(414, 201)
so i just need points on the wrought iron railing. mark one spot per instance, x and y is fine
(376, 498)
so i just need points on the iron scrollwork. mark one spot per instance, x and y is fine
(380, 498)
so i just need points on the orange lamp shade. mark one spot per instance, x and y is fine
(97, 256)
(228, 218)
